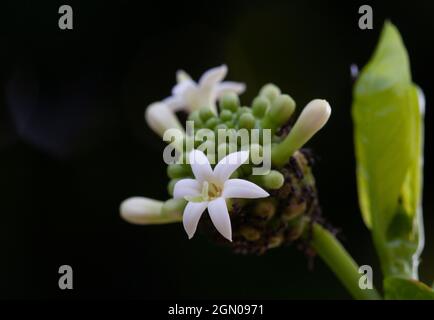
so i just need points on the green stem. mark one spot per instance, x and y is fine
(341, 263)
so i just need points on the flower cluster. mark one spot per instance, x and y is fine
(253, 211)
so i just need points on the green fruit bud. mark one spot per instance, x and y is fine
(270, 91)
(230, 124)
(247, 120)
(281, 110)
(260, 106)
(226, 115)
(273, 180)
(206, 113)
(230, 101)
(243, 110)
(171, 186)
(212, 123)
(178, 170)
(235, 175)
(246, 170)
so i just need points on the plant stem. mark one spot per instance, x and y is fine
(341, 263)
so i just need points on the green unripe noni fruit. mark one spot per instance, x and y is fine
(205, 114)
(171, 186)
(230, 101)
(273, 180)
(212, 123)
(260, 106)
(279, 113)
(270, 91)
(178, 170)
(247, 121)
(225, 115)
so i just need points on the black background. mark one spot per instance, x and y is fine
(73, 142)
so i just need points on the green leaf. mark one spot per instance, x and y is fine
(388, 141)
(397, 288)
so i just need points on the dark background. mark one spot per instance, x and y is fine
(74, 144)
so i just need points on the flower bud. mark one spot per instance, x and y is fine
(160, 118)
(273, 180)
(205, 113)
(260, 106)
(171, 186)
(178, 170)
(281, 110)
(139, 210)
(226, 115)
(270, 91)
(313, 117)
(212, 123)
(247, 121)
(230, 101)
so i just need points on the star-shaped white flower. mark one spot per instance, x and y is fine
(210, 188)
(189, 96)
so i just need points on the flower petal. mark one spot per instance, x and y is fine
(226, 166)
(174, 103)
(218, 211)
(239, 188)
(200, 166)
(213, 76)
(182, 87)
(186, 188)
(192, 213)
(181, 76)
(160, 118)
(230, 86)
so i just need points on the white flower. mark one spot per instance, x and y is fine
(189, 96)
(210, 188)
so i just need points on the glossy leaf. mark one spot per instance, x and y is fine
(388, 142)
(397, 288)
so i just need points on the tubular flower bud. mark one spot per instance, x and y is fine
(313, 117)
(140, 210)
(160, 118)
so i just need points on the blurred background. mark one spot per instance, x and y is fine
(74, 144)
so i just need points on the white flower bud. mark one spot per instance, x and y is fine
(313, 117)
(139, 210)
(160, 118)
